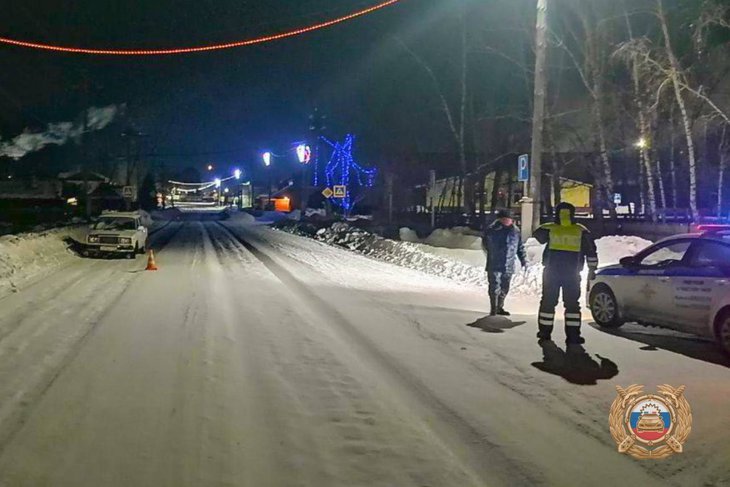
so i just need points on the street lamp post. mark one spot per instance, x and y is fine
(267, 163)
(304, 156)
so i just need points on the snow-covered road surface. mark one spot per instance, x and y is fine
(258, 358)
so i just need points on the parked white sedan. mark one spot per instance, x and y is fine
(117, 233)
(681, 282)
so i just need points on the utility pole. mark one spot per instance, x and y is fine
(83, 138)
(316, 129)
(531, 207)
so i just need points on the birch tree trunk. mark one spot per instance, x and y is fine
(672, 159)
(721, 171)
(660, 180)
(644, 131)
(674, 73)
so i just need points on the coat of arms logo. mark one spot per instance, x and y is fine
(650, 425)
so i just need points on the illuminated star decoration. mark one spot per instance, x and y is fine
(340, 169)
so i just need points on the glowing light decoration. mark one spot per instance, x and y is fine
(342, 167)
(304, 153)
(194, 49)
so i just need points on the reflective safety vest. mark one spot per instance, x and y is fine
(565, 238)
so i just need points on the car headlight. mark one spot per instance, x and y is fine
(125, 241)
(93, 239)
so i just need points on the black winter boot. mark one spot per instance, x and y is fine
(493, 306)
(572, 336)
(500, 307)
(544, 332)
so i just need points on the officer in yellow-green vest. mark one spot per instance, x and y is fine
(569, 246)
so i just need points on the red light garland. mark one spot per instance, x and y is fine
(189, 50)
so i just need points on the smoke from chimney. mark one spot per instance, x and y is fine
(57, 133)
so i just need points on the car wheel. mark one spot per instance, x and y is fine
(722, 331)
(604, 307)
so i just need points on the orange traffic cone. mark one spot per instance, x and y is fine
(151, 266)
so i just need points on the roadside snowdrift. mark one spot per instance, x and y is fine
(30, 255)
(453, 253)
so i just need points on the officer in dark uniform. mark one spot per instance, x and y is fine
(569, 246)
(502, 243)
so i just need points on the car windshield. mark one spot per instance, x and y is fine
(114, 223)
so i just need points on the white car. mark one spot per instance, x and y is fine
(117, 233)
(681, 282)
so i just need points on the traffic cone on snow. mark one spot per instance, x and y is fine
(151, 266)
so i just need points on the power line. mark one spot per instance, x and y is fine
(194, 49)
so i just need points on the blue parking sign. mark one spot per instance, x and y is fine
(523, 168)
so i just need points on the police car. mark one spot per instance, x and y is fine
(681, 282)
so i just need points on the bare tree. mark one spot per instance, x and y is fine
(588, 52)
(456, 117)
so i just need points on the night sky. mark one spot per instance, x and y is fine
(229, 105)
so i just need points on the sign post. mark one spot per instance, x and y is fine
(523, 175)
(523, 171)
(431, 190)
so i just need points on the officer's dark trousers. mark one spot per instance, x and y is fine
(553, 280)
(499, 283)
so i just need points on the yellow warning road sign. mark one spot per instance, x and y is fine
(327, 193)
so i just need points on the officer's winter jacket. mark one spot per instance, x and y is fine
(502, 244)
(569, 244)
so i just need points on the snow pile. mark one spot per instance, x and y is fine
(461, 265)
(30, 255)
(455, 238)
(408, 235)
(450, 259)
(145, 218)
(612, 248)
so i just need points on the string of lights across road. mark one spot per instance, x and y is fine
(194, 49)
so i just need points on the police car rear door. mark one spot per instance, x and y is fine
(702, 287)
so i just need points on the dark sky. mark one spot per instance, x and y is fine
(230, 103)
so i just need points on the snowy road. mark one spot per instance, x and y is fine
(257, 358)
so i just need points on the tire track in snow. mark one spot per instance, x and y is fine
(483, 457)
(39, 348)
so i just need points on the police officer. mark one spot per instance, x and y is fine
(568, 246)
(502, 243)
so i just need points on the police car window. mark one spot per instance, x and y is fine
(712, 254)
(668, 254)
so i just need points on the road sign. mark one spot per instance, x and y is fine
(128, 192)
(340, 191)
(616, 198)
(327, 193)
(523, 168)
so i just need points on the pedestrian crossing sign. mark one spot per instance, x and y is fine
(340, 191)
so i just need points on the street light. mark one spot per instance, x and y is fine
(210, 167)
(217, 182)
(267, 158)
(304, 153)
(237, 173)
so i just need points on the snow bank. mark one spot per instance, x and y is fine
(458, 256)
(453, 238)
(612, 248)
(145, 218)
(408, 235)
(30, 255)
